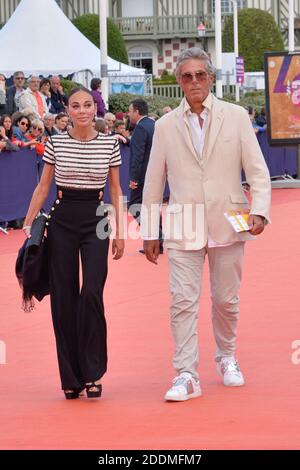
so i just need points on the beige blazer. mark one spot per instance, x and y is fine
(203, 188)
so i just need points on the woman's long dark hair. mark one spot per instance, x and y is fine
(19, 119)
(9, 132)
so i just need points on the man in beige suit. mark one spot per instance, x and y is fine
(201, 148)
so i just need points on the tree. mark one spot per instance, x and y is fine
(258, 33)
(89, 26)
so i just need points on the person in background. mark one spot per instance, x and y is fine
(110, 120)
(58, 98)
(97, 95)
(101, 126)
(257, 129)
(3, 107)
(261, 118)
(20, 132)
(6, 132)
(35, 134)
(49, 120)
(121, 133)
(14, 92)
(45, 91)
(33, 100)
(61, 123)
(5, 142)
(140, 148)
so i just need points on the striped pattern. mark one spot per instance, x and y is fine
(82, 165)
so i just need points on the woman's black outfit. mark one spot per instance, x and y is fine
(73, 232)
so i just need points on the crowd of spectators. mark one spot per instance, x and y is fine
(31, 112)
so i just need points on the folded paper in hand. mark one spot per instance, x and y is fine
(238, 220)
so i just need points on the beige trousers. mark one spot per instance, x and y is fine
(225, 264)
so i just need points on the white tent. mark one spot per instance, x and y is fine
(39, 39)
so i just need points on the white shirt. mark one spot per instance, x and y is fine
(198, 137)
(198, 133)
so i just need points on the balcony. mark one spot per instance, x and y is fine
(185, 26)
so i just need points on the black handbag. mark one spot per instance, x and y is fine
(32, 267)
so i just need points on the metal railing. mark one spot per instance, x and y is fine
(166, 25)
(135, 25)
(174, 91)
(168, 91)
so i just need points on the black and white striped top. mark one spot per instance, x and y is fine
(82, 165)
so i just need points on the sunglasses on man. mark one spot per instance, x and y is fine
(200, 76)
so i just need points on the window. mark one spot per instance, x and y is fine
(141, 59)
(227, 5)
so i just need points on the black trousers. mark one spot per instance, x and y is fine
(78, 314)
(134, 207)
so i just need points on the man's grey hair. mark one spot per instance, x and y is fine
(18, 73)
(194, 53)
(49, 116)
(32, 77)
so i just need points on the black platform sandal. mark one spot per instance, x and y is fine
(71, 394)
(93, 393)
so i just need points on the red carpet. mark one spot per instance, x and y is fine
(265, 414)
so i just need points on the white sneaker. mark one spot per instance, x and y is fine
(229, 370)
(184, 387)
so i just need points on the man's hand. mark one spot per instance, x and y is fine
(256, 224)
(151, 248)
(133, 185)
(118, 248)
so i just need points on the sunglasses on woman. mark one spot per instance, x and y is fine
(22, 123)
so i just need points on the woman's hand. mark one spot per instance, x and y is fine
(2, 132)
(120, 138)
(27, 229)
(118, 246)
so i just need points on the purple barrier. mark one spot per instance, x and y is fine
(18, 178)
(280, 160)
(19, 174)
(20, 171)
(124, 173)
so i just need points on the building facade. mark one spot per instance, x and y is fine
(155, 31)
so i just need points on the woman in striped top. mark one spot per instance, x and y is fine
(81, 160)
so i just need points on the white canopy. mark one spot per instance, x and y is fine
(39, 39)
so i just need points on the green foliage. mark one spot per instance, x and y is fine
(89, 26)
(120, 102)
(256, 99)
(258, 33)
(166, 78)
(68, 85)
